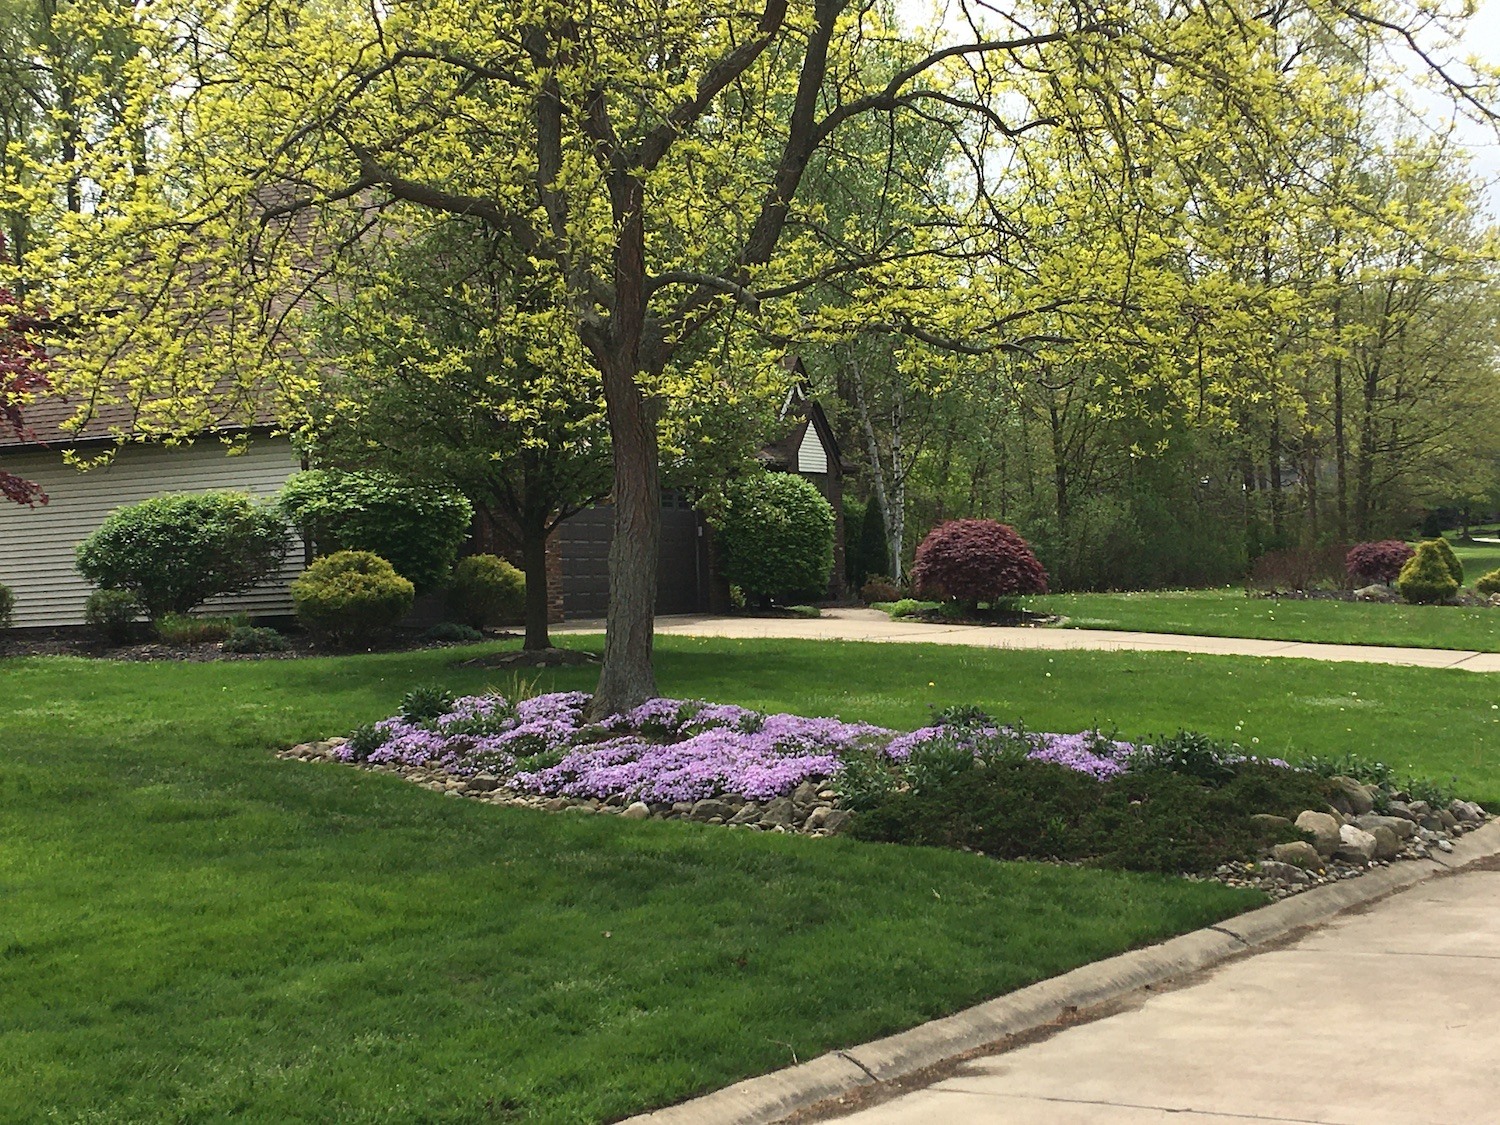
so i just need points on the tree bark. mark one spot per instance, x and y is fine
(534, 562)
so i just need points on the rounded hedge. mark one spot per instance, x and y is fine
(775, 537)
(417, 529)
(1380, 561)
(1488, 583)
(351, 596)
(175, 552)
(112, 613)
(486, 590)
(973, 561)
(1426, 579)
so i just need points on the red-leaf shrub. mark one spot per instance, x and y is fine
(972, 561)
(22, 359)
(1377, 562)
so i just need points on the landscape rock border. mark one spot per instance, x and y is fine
(772, 1097)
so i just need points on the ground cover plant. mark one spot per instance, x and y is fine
(194, 930)
(1231, 613)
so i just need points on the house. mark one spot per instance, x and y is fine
(37, 544)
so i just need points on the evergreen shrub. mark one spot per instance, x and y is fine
(416, 528)
(775, 537)
(7, 605)
(486, 590)
(350, 597)
(175, 552)
(1488, 583)
(1445, 552)
(112, 614)
(973, 561)
(1380, 561)
(1426, 578)
(255, 639)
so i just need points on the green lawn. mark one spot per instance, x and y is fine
(194, 930)
(1231, 613)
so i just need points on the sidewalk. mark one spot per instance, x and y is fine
(858, 624)
(1385, 1016)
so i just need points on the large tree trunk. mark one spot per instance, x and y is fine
(534, 562)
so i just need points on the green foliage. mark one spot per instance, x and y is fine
(350, 597)
(1369, 771)
(879, 588)
(183, 629)
(255, 639)
(1427, 578)
(866, 556)
(426, 702)
(1444, 551)
(486, 590)
(366, 738)
(910, 607)
(775, 537)
(1190, 754)
(112, 614)
(417, 528)
(174, 552)
(451, 632)
(7, 605)
(1488, 583)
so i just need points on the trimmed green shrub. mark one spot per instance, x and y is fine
(451, 632)
(1488, 583)
(1445, 552)
(486, 590)
(112, 614)
(775, 537)
(417, 529)
(351, 596)
(182, 629)
(973, 561)
(175, 552)
(252, 639)
(1426, 578)
(7, 605)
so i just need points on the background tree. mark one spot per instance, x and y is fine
(23, 363)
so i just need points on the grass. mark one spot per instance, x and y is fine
(1231, 613)
(194, 930)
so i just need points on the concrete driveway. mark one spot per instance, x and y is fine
(858, 624)
(1390, 1015)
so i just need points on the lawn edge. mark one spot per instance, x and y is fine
(771, 1097)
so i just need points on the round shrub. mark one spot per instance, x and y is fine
(1445, 552)
(973, 561)
(1426, 579)
(255, 639)
(350, 596)
(175, 552)
(418, 529)
(775, 537)
(7, 605)
(1488, 583)
(112, 613)
(1381, 561)
(486, 590)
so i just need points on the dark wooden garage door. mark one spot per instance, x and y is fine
(681, 577)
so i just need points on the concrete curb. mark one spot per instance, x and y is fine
(771, 1097)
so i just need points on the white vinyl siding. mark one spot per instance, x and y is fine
(811, 456)
(36, 544)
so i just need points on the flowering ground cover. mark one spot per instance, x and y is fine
(193, 930)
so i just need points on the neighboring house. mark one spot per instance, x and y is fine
(37, 544)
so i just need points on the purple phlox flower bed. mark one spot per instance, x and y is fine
(669, 750)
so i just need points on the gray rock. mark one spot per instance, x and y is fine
(1387, 844)
(1403, 810)
(1493, 601)
(1361, 797)
(817, 818)
(747, 815)
(1404, 829)
(482, 783)
(1299, 853)
(1324, 828)
(636, 810)
(835, 821)
(1267, 822)
(1375, 593)
(1281, 872)
(777, 813)
(1419, 809)
(1355, 845)
(805, 795)
(1443, 845)
(1433, 823)
(682, 808)
(1467, 812)
(1448, 819)
(709, 807)
(557, 804)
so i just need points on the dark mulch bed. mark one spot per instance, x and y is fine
(79, 641)
(1005, 618)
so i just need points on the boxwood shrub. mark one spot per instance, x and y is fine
(350, 597)
(775, 537)
(486, 590)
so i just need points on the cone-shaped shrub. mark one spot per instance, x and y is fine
(1488, 583)
(1450, 560)
(1426, 579)
(1377, 562)
(973, 561)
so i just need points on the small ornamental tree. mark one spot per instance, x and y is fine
(775, 537)
(417, 529)
(1426, 579)
(973, 561)
(175, 552)
(22, 360)
(1380, 561)
(1444, 551)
